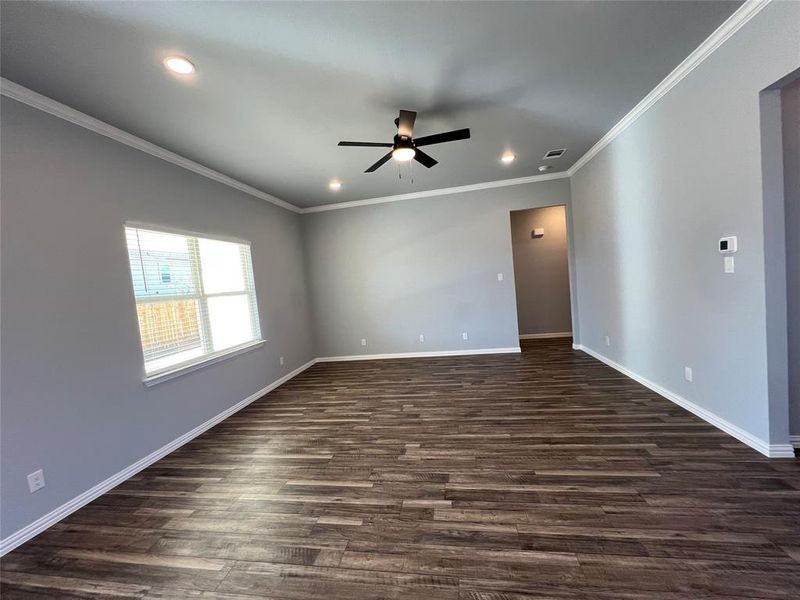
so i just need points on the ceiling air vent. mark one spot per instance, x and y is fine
(554, 153)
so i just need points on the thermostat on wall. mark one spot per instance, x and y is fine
(727, 245)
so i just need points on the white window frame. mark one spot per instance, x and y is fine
(209, 357)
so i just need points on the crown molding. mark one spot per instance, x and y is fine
(487, 185)
(62, 111)
(731, 25)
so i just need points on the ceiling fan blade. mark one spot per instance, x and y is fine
(378, 164)
(439, 138)
(425, 159)
(405, 124)
(367, 144)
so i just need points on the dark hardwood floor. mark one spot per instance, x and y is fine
(505, 477)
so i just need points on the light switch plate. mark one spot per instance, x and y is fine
(500, 277)
(729, 264)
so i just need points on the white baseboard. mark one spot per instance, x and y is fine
(53, 517)
(419, 354)
(794, 440)
(768, 450)
(545, 336)
(29, 531)
(39, 525)
(780, 451)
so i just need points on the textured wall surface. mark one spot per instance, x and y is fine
(73, 402)
(390, 272)
(648, 211)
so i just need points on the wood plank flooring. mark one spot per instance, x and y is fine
(505, 477)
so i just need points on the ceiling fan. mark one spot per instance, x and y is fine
(405, 147)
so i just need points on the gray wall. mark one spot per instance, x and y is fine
(790, 102)
(390, 272)
(541, 270)
(648, 211)
(73, 401)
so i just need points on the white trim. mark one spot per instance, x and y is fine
(39, 525)
(768, 450)
(781, 451)
(731, 25)
(204, 361)
(794, 440)
(54, 516)
(437, 192)
(738, 19)
(36, 100)
(545, 336)
(62, 111)
(161, 228)
(419, 354)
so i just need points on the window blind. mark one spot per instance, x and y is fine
(195, 297)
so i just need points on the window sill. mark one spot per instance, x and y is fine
(178, 371)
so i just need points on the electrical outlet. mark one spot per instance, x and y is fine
(608, 341)
(421, 338)
(687, 374)
(500, 277)
(281, 360)
(465, 336)
(363, 341)
(36, 480)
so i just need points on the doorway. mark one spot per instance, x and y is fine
(790, 117)
(780, 163)
(541, 272)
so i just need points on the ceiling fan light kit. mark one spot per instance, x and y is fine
(404, 147)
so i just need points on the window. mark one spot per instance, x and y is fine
(195, 297)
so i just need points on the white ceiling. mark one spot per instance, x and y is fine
(279, 84)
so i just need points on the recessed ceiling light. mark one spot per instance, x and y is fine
(508, 157)
(544, 168)
(179, 65)
(335, 185)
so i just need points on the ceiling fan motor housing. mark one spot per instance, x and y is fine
(403, 141)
